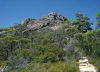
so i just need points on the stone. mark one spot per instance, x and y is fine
(27, 20)
(52, 18)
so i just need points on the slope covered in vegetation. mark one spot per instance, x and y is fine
(50, 44)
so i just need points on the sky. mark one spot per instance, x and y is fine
(14, 11)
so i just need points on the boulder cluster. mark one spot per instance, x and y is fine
(52, 18)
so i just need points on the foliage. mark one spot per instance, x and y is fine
(98, 21)
(96, 61)
(50, 67)
(47, 53)
(82, 23)
(2, 63)
(46, 50)
(8, 43)
(15, 63)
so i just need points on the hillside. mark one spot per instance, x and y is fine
(49, 44)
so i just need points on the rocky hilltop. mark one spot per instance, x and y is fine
(52, 18)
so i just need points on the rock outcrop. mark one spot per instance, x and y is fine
(27, 20)
(52, 18)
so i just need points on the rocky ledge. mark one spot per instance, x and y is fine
(52, 18)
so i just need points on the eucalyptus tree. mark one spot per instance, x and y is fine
(98, 21)
(82, 23)
(8, 43)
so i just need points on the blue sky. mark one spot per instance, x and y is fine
(14, 11)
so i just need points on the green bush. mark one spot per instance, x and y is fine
(50, 67)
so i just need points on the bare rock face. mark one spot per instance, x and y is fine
(55, 16)
(52, 18)
(27, 20)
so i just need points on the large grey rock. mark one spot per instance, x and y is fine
(27, 20)
(52, 18)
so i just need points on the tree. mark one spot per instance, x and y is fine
(71, 31)
(86, 42)
(8, 43)
(98, 21)
(23, 43)
(46, 53)
(82, 23)
(97, 43)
